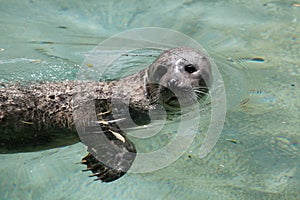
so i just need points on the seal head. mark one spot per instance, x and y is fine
(178, 78)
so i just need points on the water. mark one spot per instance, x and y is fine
(256, 47)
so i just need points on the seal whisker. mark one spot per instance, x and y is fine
(201, 88)
(200, 92)
(154, 97)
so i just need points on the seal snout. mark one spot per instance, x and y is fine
(173, 83)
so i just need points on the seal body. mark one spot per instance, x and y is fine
(38, 114)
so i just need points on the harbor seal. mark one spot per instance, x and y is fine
(38, 114)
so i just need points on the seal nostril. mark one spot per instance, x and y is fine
(173, 83)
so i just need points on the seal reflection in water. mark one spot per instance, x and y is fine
(39, 114)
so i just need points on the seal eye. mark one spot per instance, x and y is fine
(190, 68)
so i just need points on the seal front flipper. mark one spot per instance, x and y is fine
(111, 157)
(111, 169)
(111, 153)
(100, 171)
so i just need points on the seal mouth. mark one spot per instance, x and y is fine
(182, 98)
(177, 98)
(173, 101)
(169, 98)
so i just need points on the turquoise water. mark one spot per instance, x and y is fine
(256, 47)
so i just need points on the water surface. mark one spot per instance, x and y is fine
(256, 47)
